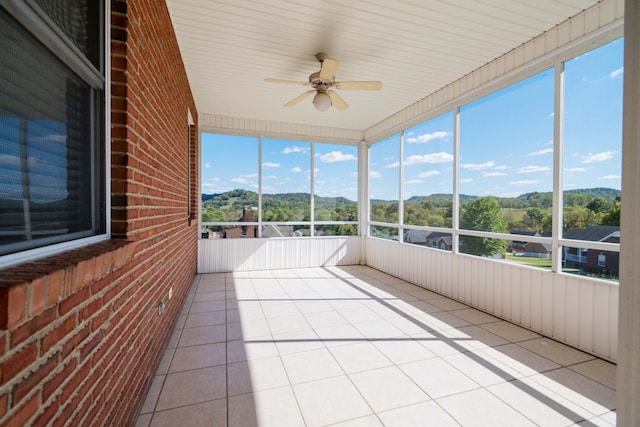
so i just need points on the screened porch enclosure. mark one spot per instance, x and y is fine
(578, 310)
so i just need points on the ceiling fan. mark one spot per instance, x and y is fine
(322, 82)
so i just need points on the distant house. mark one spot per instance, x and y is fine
(416, 237)
(432, 239)
(592, 259)
(273, 230)
(529, 249)
(240, 231)
(440, 240)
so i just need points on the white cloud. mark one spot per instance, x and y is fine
(215, 179)
(541, 152)
(532, 169)
(501, 168)
(336, 156)
(490, 174)
(270, 165)
(297, 169)
(598, 157)
(374, 174)
(478, 166)
(616, 73)
(239, 180)
(392, 165)
(465, 180)
(295, 149)
(269, 177)
(413, 181)
(426, 137)
(428, 174)
(441, 157)
(207, 165)
(610, 177)
(572, 170)
(525, 182)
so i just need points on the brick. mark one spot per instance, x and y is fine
(54, 383)
(55, 286)
(50, 411)
(22, 416)
(16, 304)
(33, 380)
(73, 301)
(71, 387)
(90, 345)
(25, 331)
(38, 295)
(19, 361)
(4, 402)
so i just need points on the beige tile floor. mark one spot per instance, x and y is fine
(351, 346)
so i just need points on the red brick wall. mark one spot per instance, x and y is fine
(80, 334)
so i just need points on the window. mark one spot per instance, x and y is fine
(286, 181)
(428, 173)
(506, 165)
(335, 187)
(428, 182)
(260, 187)
(52, 173)
(384, 187)
(602, 260)
(592, 163)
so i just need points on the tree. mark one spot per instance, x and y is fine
(483, 214)
(613, 216)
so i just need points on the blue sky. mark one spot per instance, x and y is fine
(506, 138)
(286, 166)
(506, 144)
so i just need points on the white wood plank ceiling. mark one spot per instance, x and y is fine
(414, 47)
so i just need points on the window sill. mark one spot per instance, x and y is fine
(28, 289)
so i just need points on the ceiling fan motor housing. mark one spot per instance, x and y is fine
(320, 84)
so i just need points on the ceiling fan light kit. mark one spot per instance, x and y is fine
(322, 101)
(322, 81)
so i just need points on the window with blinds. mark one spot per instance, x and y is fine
(52, 173)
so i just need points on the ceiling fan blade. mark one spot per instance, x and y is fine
(328, 69)
(299, 98)
(374, 85)
(337, 101)
(291, 82)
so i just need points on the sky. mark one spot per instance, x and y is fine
(286, 166)
(506, 144)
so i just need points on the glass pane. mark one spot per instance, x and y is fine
(428, 173)
(593, 138)
(337, 230)
(384, 178)
(506, 152)
(431, 239)
(483, 246)
(48, 181)
(335, 182)
(80, 21)
(591, 262)
(229, 174)
(389, 233)
(286, 177)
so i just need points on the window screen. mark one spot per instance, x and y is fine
(50, 146)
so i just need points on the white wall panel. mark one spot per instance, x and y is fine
(224, 255)
(578, 311)
(255, 127)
